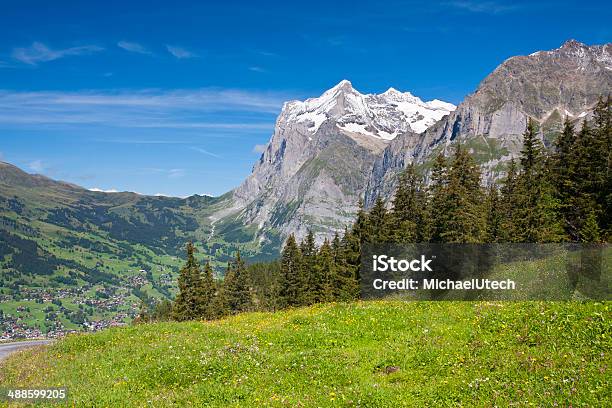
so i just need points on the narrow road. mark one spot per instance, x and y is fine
(8, 348)
(212, 230)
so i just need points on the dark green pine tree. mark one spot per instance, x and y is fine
(264, 277)
(531, 153)
(325, 273)
(291, 282)
(538, 211)
(348, 262)
(352, 242)
(607, 135)
(457, 200)
(378, 223)
(590, 172)
(308, 250)
(563, 168)
(426, 221)
(494, 215)
(466, 222)
(602, 164)
(407, 213)
(220, 305)
(582, 200)
(336, 245)
(361, 226)
(509, 205)
(237, 286)
(590, 231)
(563, 156)
(339, 259)
(206, 293)
(186, 305)
(437, 199)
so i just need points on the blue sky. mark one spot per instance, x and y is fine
(177, 97)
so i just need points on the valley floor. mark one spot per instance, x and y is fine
(360, 354)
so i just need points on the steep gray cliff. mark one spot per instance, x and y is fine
(320, 157)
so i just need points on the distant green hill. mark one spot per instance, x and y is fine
(55, 235)
(366, 354)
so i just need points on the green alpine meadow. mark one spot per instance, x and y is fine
(362, 354)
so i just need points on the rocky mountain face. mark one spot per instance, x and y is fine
(320, 157)
(547, 86)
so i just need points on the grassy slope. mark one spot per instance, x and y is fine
(449, 354)
(109, 226)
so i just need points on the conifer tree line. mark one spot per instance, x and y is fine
(561, 195)
(305, 274)
(200, 297)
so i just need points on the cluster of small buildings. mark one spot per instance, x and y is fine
(48, 295)
(14, 327)
(117, 320)
(112, 301)
(15, 330)
(137, 281)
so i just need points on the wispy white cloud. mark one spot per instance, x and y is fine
(487, 7)
(37, 166)
(1, 156)
(169, 173)
(267, 53)
(206, 152)
(141, 142)
(39, 52)
(134, 47)
(180, 52)
(207, 125)
(214, 109)
(176, 173)
(257, 69)
(259, 148)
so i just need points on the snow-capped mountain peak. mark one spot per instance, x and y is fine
(393, 94)
(382, 116)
